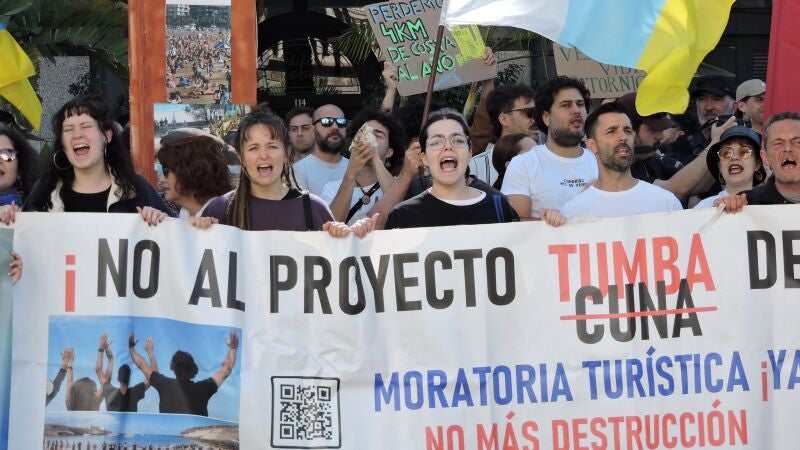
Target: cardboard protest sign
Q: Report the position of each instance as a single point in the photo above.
(406, 33)
(602, 80)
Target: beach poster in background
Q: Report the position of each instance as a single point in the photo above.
(602, 80)
(406, 34)
(6, 242)
(199, 51)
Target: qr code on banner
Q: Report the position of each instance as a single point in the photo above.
(305, 412)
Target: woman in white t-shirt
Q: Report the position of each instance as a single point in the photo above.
(736, 162)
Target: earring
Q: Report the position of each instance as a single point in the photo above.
(55, 162)
(759, 176)
(387, 163)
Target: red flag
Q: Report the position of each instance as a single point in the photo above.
(784, 59)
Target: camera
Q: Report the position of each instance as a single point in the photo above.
(740, 121)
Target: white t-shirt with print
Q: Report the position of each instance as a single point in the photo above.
(548, 179)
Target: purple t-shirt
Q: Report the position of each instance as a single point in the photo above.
(286, 214)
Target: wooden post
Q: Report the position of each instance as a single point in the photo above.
(432, 79)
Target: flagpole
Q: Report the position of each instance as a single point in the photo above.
(432, 79)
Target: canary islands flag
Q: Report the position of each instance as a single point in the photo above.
(14, 84)
(666, 38)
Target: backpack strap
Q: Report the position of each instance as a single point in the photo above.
(307, 211)
(367, 195)
(498, 208)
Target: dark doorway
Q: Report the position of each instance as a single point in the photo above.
(299, 66)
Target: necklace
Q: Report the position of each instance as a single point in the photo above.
(366, 194)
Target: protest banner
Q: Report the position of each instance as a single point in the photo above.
(657, 331)
(406, 33)
(602, 80)
(6, 235)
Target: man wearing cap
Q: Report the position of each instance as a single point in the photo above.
(750, 103)
(616, 192)
(736, 162)
(713, 96)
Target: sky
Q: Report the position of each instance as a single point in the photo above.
(206, 344)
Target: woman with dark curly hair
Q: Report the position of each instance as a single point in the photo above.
(195, 171)
(92, 170)
(19, 166)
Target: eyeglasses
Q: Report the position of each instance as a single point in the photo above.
(729, 151)
(8, 154)
(327, 122)
(438, 141)
(528, 111)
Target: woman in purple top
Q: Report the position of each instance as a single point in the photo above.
(268, 197)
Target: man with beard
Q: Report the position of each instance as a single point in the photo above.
(616, 193)
(551, 174)
(301, 132)
(325, 163)
(713, 96)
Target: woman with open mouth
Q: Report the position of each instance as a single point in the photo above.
(268, 196)
(92, 169)
(445, 147)
(736, 162)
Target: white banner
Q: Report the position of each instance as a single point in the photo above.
(659, 331)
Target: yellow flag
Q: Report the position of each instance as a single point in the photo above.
(14, 84)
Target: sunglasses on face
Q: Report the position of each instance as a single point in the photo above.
(327, 122)
(729, 151)
(528, 111)
(8, 154)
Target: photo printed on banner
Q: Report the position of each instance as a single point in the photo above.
(199, 51)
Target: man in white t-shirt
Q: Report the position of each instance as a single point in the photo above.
(550, 175)
(510, 110)
(616, 192)
(325, 163)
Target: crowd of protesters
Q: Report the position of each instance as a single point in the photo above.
(527, 155)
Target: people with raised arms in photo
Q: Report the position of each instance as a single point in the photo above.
(82, 394)
(446, 153)
(182, 395)
(123, 398)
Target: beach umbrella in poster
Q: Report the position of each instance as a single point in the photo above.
(222, 46)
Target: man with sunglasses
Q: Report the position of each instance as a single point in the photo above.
(325, 163)
(510, 110)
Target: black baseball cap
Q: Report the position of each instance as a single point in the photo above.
(715, 84)
(712, 158)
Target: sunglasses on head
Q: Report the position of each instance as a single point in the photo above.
(8, 154)
(326, 122)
